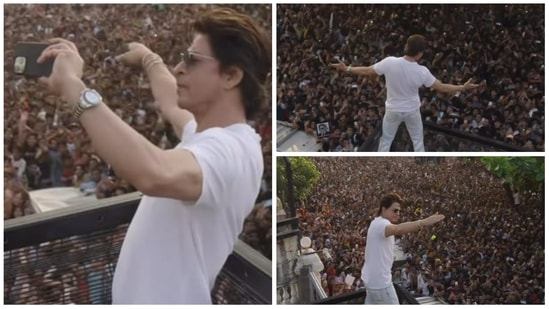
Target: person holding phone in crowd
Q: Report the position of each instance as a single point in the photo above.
(192, 209)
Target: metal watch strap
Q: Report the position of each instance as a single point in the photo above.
(77, 111)
(81, 107)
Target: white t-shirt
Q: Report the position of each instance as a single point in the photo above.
(403, 78)
(20, 165)
(309, 258)
(379, 256)
(174, 250)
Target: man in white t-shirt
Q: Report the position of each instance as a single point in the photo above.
(404, 76)
(18, 163)
(198, 194)
(380, 246)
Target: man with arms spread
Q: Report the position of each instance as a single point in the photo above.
(404, 76)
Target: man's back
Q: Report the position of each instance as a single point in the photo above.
(403, 79)
(174, 250)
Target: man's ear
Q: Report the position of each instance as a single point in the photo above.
(233, 77)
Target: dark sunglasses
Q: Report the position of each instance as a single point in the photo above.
(190, 58)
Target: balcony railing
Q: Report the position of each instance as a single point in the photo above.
(286, 293)
(439, 138)
(69, 256)
(358, 297)
(317, 293)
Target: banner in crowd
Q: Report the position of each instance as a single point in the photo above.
(322, 129)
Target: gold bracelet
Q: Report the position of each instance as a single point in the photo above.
(152, 64)
(148, 58)
(151, 59)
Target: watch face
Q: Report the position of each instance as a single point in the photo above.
(92, 97)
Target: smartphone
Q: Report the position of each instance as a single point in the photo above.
(26, 54)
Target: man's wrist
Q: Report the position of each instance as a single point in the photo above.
(72, 90)
(151, 60)
(147, 57)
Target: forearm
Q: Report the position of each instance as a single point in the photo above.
(130, 154)
(164, 89)
(448, 88)
(163, 84)
(361, 70)
(408, 227)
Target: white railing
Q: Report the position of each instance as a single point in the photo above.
(287, 293)
(317, 292)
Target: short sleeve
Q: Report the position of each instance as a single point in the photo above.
(189, 129)
(218, 162)
(381, 228)
(429, 79)
(381, 67)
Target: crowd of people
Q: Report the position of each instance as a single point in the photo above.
(44, 147)
(74, 270)
(487, 250)
(499, 46)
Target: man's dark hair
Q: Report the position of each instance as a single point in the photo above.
(388, 200)
(416, 44)
(237, 40)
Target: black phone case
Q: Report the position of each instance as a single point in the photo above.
(24, 60)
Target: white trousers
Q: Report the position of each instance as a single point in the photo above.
(385, 296)
(392, 120)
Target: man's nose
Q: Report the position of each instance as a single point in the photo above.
(179, 69)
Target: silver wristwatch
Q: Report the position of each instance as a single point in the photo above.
(88, 98)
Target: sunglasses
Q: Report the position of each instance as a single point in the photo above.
(190, 58)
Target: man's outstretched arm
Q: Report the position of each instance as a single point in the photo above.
(442, 87)
(412, 226)
(369, 70)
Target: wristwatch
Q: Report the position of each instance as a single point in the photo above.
(88, 98)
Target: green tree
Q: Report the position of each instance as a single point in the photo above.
(305, 176)
(525, 174)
